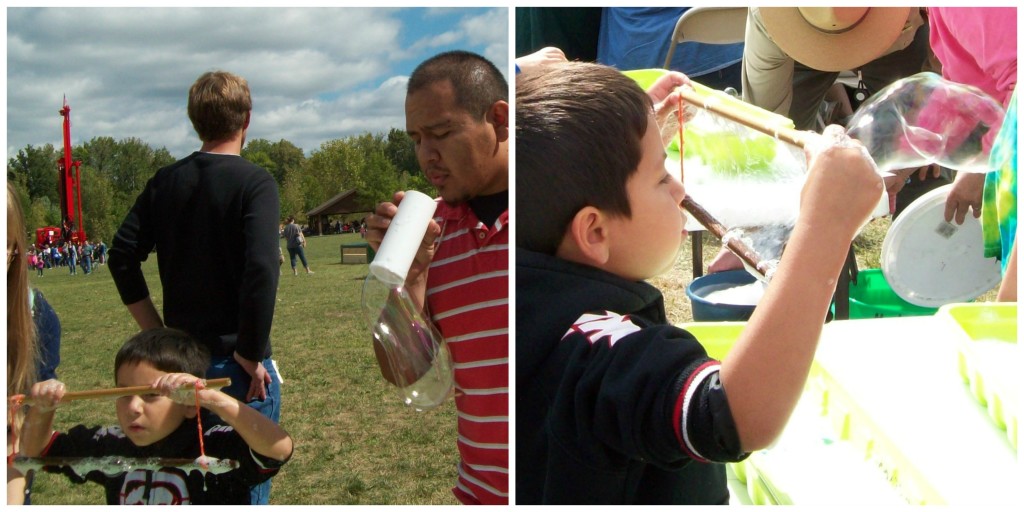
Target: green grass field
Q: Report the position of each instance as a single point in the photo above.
(355, 443)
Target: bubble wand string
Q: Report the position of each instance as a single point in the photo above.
(679, 114)
(199, 426)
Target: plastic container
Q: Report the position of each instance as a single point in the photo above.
(930, 262)
(988, 359)
(823, 456)
(871, 297)
(707, 309)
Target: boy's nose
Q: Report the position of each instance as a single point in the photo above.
(678, 191)
(135, 404)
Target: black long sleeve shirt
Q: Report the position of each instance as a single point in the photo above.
(213, 221)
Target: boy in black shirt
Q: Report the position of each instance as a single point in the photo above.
(613, 404)
(162, 424)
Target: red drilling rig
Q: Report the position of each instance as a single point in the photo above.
(69, 182)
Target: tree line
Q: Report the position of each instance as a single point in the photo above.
(113, 173)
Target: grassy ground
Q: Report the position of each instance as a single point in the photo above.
(355, 443)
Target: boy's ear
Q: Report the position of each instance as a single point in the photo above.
(190, 411)
(588, 232)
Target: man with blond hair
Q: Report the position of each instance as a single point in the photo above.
(212, 218)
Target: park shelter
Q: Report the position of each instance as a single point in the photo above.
(344, 203)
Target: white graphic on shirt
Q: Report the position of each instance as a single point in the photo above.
(112, 431)
(610, 326)
(166, 488)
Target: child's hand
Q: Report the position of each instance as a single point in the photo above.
(180, 387)
(843, 185)
(540, 58)
(665, 98)
(47, 394)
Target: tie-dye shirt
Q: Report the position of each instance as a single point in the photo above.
(999, 200)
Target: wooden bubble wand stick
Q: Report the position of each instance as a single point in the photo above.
(735, 114)
(116, 392)
(734, 244)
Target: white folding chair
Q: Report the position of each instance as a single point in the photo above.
(711, 25)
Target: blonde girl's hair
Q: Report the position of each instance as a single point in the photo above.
(22, 349)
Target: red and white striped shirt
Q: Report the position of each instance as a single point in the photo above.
(467, 295)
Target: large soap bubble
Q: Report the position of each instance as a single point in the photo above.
(925, 119)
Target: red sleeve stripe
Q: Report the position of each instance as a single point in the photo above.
(472, 307)
(465, 476)
(468, 254)
(679, 417)
(491, 391)
(477, 335)
(480, 364)
(493, 469)
(49, 444)
(472, 279)
(483, 446)
(483, 419)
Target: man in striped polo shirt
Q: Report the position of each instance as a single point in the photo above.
(457, 113)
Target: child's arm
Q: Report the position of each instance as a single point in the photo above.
(261, 434)
(765, 372)
(15, 480)
(37, 429)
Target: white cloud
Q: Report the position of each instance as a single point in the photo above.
(315, 73)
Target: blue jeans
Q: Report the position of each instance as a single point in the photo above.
(292, 251)
(271, 407)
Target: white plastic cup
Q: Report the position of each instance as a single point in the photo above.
(403, 238)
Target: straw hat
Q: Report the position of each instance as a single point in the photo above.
(834, 38)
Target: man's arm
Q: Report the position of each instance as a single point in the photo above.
(1008, 287)
(131, 246)
(258, 292)
(145, 314)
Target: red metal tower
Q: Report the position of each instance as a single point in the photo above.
(70, 183)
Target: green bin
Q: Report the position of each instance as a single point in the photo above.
(871, 297)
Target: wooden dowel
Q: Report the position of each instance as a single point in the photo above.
(126, 391)
(734, 244)
(716, 105)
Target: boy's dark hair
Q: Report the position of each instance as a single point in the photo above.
(477, 82)
(218, 102)
(168, 350)
(579, 128)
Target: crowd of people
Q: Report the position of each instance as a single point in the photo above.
(67, 255)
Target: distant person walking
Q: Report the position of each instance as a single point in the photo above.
(72, 258)
(87, 258)
(296, 244)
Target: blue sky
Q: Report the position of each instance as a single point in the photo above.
(316, 73)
